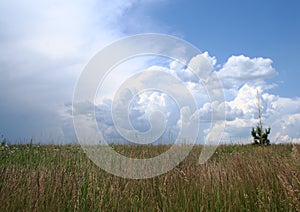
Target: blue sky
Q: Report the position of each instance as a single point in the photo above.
(45, 45)
(253, 28)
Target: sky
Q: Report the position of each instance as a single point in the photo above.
(45, 46)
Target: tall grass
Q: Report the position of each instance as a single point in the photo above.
(236, 178)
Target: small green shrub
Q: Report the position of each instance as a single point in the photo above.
(3, 141)
(260, 137)
(259, 134)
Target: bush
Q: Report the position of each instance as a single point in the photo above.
(259, 134)
(3, 141)
(260, 137)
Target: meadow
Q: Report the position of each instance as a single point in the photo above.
(236, 178)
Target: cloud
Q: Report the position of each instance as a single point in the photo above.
(44, 46)
(240, 69)
(281, 114)
(284, 118)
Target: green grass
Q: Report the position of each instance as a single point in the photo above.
(236, 178)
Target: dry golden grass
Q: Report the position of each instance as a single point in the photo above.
(236, 178)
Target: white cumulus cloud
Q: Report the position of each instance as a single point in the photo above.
(240, 69)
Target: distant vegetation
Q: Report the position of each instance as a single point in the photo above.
(259, 134)
(236, 178)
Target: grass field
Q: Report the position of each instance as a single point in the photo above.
(236, 178)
